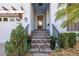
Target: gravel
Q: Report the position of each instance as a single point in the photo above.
(2, 51)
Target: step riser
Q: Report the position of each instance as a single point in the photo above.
(40, 38)
(40, 42)
(40, 34)
(42, 47)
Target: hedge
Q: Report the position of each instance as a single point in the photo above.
(67, 40)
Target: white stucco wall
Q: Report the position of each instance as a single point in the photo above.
(5, 30)
(27, 14)
(6, 27)
(53, 10)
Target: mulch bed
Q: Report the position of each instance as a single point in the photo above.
(66, 52)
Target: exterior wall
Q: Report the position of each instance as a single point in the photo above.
(5, 30)
(32, 20)
(57, 24)
(6, 27)
(29, 17)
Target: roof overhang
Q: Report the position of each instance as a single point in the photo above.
(11, 14)
(12, 11)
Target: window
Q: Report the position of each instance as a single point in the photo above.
(11, 19)
(40, 4)
(0, 19)
(5, 19)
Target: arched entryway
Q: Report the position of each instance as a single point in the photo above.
(39, 16)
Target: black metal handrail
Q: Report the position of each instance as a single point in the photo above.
(56, 34)
(55, 31)
(26, 29)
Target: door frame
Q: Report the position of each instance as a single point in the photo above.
(37, 20)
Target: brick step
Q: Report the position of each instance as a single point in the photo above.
(40, 41)
(41, 50)
(40, 31)
(40, 34)
(40, 44)
(35, 46)
(37, 43)
(40, 54)
(40, 37)
(35, 34)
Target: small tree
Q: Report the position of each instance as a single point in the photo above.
(17, 45)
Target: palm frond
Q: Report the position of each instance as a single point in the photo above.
(72, 13)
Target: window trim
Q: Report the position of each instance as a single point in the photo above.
(1, 19)
(6, 18)
(11, 18)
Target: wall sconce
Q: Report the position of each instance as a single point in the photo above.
(48, 24)
(25, 19)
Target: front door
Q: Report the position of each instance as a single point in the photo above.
(40, 22)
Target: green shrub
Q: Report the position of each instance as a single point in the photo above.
(29, 41)
(78, 35)
(52, 41)
(67, 40)
(18, 42)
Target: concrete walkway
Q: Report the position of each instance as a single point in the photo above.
(2, 49)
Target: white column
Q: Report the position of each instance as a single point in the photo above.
(47, 19)
(50, 14)
(32, 20)
(29, 19)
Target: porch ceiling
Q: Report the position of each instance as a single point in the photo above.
(40, 8)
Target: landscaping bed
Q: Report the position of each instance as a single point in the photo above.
(66, 52)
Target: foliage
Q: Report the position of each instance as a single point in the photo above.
(52, 41)
(71, 12)
(18, 42)
(67, 40)
(29, 41)
(78, 35)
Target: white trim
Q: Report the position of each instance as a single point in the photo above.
(43, 21)
(11, 11)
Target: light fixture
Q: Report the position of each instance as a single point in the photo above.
(40, 23)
